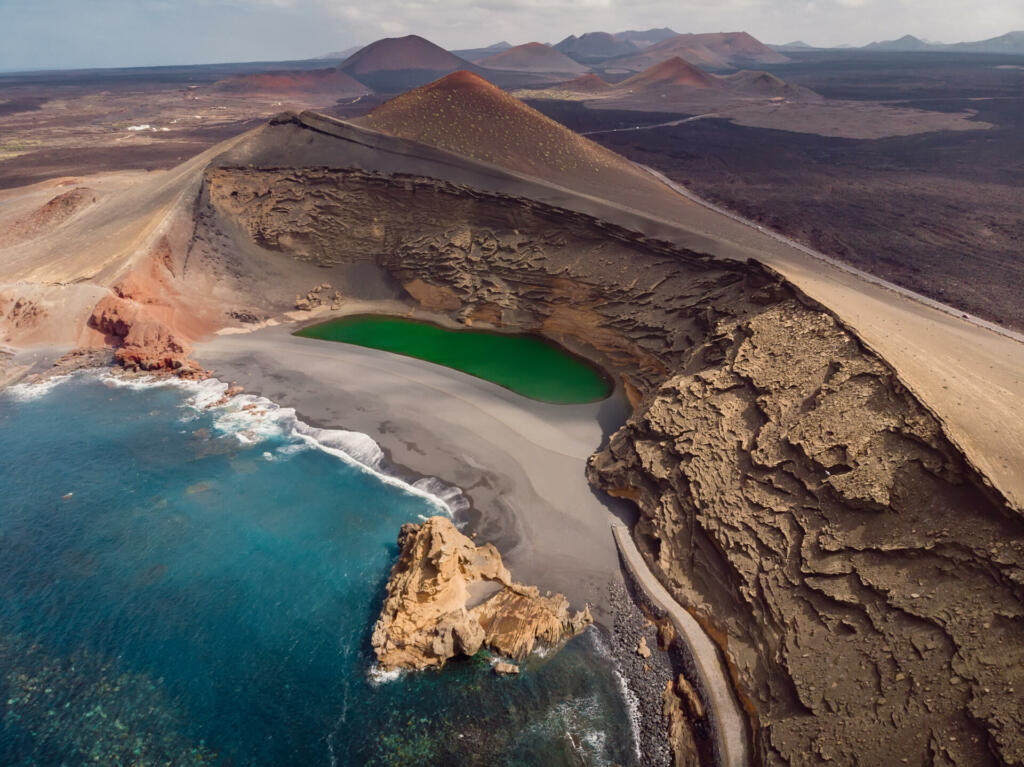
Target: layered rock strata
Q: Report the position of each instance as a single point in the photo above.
(864, 582)
(448, 597)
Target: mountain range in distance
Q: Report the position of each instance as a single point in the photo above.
(392, 65)
(1011, 42)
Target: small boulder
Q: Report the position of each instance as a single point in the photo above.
(642, 649)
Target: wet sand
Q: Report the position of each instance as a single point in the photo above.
(520, 462)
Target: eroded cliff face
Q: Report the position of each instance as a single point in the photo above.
(866, 586)
(869, 593)
(502, 260)
(448, 597)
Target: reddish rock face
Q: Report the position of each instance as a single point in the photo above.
(143, 342)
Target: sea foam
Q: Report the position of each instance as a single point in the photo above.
(26, 392)
(252, 419)
(632, 702)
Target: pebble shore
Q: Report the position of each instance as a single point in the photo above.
(646, 678)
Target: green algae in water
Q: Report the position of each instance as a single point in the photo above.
(526, 364)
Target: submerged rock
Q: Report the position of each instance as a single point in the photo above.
(448, 597)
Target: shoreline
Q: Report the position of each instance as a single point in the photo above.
(520, 463)
(619, 617)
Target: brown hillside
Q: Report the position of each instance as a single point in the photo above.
(330, 81)
(752, 83)
(672, 73)
(717, 50)
(532, 57)
(681, 46)
(465, 114)
(401, 53)
(739, 46)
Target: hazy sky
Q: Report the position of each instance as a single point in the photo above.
(99, 33)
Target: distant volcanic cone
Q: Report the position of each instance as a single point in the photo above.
(397, 63)
(675, 72)
(532, 57)
(465, 114)
(740, 47)
(717, 50)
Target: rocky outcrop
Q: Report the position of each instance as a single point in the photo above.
(865, 584)
(143, 343)
(680, 734)
(49, 216)
(448, 597)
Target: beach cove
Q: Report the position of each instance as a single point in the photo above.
(204, 590)
(520, 462)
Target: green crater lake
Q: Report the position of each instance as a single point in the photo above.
(526, 364)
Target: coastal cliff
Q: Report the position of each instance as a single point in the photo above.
(448, 597)
(862, 580)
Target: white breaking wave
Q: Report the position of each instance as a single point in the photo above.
(252, 419)
(574, 720)
(451, 495)
(377, 675)
(26, 392)
(632, 702)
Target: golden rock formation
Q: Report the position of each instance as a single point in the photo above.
(449, 597)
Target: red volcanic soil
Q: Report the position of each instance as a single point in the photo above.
(465, 114)
(401, 53)
(585, 84)
(532, 57)
(330, 81)
(671, 73)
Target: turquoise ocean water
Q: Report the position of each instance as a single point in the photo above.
(182, 585)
